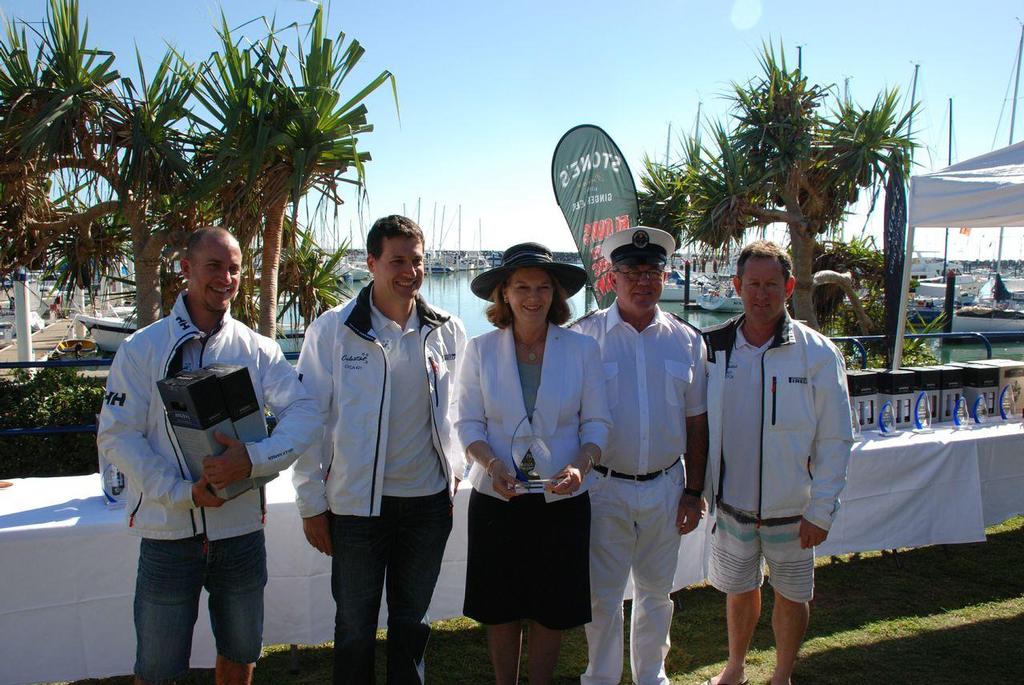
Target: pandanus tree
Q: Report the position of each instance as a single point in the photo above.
(791, 152)
(68, 120)
(279, 125)
(85, 152)
(53, 104)
(308, 275)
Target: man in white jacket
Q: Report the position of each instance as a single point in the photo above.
(654, 374)
(779, 443)
(190, 537)
(375, 491)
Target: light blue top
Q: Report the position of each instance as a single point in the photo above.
(529, 380)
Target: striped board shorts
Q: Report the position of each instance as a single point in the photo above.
(737, 550)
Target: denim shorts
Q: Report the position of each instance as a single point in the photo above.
(171, 575)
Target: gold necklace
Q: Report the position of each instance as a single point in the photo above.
(531, 350)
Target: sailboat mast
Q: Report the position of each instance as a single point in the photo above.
(1016, 84)
(668, 141)
(913, 99)
(1013, 120)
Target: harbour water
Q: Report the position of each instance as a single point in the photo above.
(451, 292)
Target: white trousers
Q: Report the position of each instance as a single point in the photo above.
(632, 530)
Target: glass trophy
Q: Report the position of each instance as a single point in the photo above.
(922, 412)
(528, 479)
(113, 485)
(887, 419)
(979, 410)
(961, 415)
(1007, 401)
(526, 469)
(855, 419)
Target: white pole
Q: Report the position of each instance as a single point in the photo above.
(22, 327)
(80, 306)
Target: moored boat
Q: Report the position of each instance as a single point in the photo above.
(981, 319)
(108, 331)
(76, 348)
(715, 300)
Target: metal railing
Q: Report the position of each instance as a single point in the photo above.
(985, 339)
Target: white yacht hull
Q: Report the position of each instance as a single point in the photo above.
(717, 303)
(987, 324)
(672, 293)
(107, 331)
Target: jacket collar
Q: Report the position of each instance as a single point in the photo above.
(360, 320)
(722, 338)
(182, 321)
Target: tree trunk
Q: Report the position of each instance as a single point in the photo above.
(845, 281)
(268, 269)
(802, 244)
(147, 265)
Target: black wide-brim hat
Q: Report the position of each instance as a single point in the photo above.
(525, 256)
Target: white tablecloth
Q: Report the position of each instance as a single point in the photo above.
(67, 563)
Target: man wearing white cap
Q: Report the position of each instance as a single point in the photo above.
(655, 377)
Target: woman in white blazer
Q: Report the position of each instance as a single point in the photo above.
(533, 417)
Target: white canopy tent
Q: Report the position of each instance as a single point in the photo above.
(982, 192)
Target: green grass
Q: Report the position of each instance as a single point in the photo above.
(932, 615)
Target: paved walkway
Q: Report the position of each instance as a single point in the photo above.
(43, 343)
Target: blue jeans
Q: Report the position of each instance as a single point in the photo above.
(405, 545)
(171, 575)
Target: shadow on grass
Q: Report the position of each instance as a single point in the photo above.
(984, 651)
(852, 592)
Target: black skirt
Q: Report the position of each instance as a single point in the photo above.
(528, 559)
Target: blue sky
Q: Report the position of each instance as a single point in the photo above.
(486, 89)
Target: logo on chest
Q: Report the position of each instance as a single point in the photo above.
(354, 361)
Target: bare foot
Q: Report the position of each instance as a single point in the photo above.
(728, 677)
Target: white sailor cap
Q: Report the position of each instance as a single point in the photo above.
(638, 245)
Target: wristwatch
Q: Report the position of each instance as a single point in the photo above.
(693, 492)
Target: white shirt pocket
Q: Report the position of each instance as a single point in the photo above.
(678, 376)
(611, 383)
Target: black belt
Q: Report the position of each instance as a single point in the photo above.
(743, 517)
(605, 471)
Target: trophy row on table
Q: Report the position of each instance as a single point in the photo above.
(964, 394)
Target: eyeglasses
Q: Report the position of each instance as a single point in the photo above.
(637, 276)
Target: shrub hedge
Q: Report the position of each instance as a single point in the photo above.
(50, 397)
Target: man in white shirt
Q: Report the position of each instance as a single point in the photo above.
(654, 371)
(376, 492)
